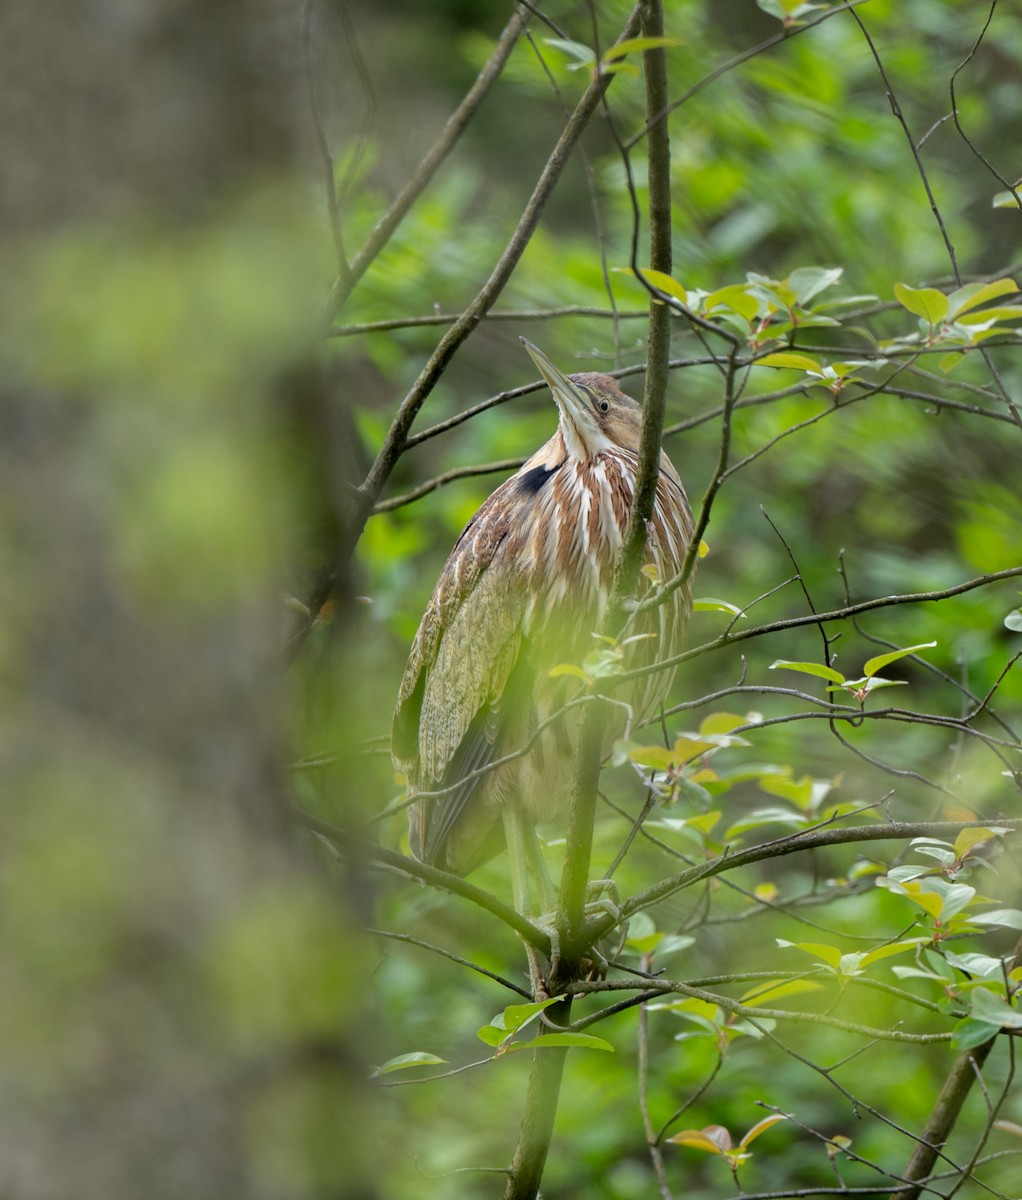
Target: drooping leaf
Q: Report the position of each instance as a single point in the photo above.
(417, 1058)
(809, 668)
(711, 604)
(551, 1041)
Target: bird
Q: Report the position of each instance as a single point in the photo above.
(524, 591)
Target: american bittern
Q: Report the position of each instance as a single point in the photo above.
(524, 590)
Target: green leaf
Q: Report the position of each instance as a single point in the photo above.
(659, 280)
(760, 1127)
(1009, 918)
(619, 68)
(879, 661)
(568, 669)
(809, 668)
(674, 943)
(711, 604)
(767, 993)
(1013, 620)
(831, 955)
(516, 1015)
(660, 758)
(976, 836)
(974, 294)
(970, 1033)
(1008, 312)
(928, 303)
(1005, 199)
(865, 686)
(643, 936)
(508, 1022)
(714, 1138)
(577, 50)
(788, 11)
(986, 1006)
(764, 816)
(721, 722)
(735, 297)
(417, 1058)
(801, 792)
(788, 359)
(984, 966)
(807, 282)
(550, 1041)
(955, 896)
(630, 45)
(872, 956)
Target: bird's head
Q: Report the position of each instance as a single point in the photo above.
(594, 414)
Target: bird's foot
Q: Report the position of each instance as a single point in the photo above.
(602, 902)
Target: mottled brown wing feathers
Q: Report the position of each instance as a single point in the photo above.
(446, 720)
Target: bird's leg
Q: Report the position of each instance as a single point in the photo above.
(602, 895)
(547, 893)
(516, 834)
(518, 855)
(604, 899)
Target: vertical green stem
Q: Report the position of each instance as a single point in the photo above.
(538, 1120)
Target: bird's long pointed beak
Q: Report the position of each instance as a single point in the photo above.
(571, 401)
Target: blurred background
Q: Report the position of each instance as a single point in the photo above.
(188, 1000)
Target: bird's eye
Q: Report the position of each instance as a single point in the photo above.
(604, 406)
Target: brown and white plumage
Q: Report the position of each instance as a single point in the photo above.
(524, 589)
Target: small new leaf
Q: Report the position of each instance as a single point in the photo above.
(760, 1127)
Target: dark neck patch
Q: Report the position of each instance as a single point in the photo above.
(532, 481)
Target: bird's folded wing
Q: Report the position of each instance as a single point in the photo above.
(449, 712)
